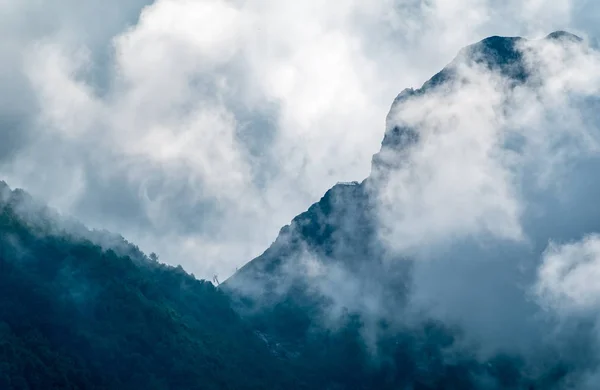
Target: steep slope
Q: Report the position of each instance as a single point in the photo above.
(340, 225)
(74, 315)
(331, 275)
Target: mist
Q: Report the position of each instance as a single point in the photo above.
(198, 128)
(480, 214)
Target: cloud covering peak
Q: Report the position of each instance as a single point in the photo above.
(479, 214)
(198, 128)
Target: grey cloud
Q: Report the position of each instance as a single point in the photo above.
(201, 128)
(289, 98)
(467, 272)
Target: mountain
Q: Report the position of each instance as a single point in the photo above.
(330, 272)
(341, 225)
(76, 315)
(364, 290)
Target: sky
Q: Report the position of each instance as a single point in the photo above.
(198, 128)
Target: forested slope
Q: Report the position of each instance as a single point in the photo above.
(74, 315)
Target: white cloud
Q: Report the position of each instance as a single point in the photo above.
(498, 170)
(456, 181)
(568, 276)
(463, 178)
(201, 128)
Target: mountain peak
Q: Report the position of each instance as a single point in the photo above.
(502, 55)
(564, 35)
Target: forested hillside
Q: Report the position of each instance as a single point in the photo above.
(74, 315)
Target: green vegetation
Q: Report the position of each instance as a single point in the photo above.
(76, 316)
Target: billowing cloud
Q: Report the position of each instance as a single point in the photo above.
(567, 277)
(198, 128)
(500, 166)
(482, 139)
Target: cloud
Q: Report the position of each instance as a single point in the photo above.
(567, 275)
(479, 137)
(454, 181)
(199, 128)
(498, 168)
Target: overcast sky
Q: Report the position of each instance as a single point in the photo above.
(198, 128)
